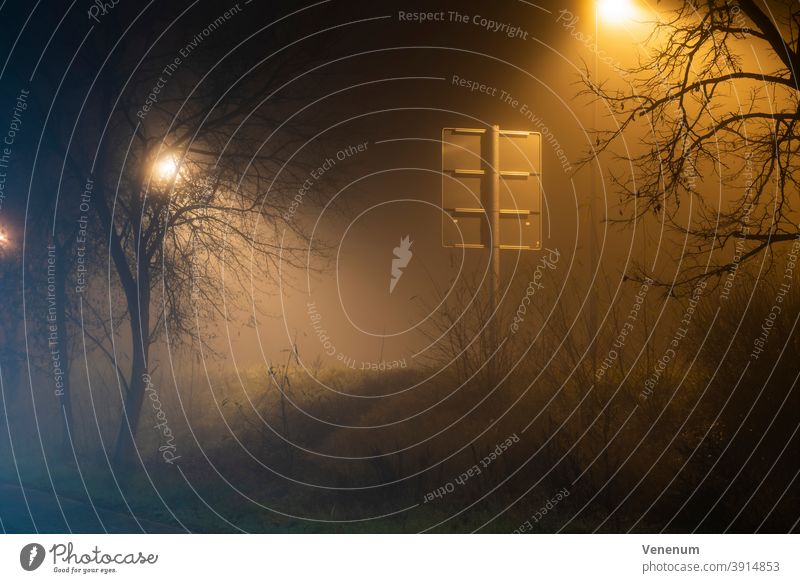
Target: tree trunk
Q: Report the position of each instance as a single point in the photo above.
(139, 308)
(137, 297)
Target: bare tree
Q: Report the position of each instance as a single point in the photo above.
(716, 87)
(194, 174)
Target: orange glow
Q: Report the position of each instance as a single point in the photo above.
(616, 11)
(166, 168)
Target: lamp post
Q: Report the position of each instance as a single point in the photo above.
(614, 13)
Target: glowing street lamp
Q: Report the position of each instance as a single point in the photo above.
(166, 168)
(6, 247)
(616, 11)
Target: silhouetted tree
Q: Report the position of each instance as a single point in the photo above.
(715, 93)
(193, 155)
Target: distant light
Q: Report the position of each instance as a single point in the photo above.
(616, 11)
(3, 238)
(166, 168)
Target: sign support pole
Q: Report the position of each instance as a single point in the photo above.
(493, 211)
(471, 181)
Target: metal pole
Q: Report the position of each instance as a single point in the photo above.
(494, 216)
(592, 219)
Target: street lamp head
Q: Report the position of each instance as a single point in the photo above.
(5, 243)
(616, 11)
(166, 168)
